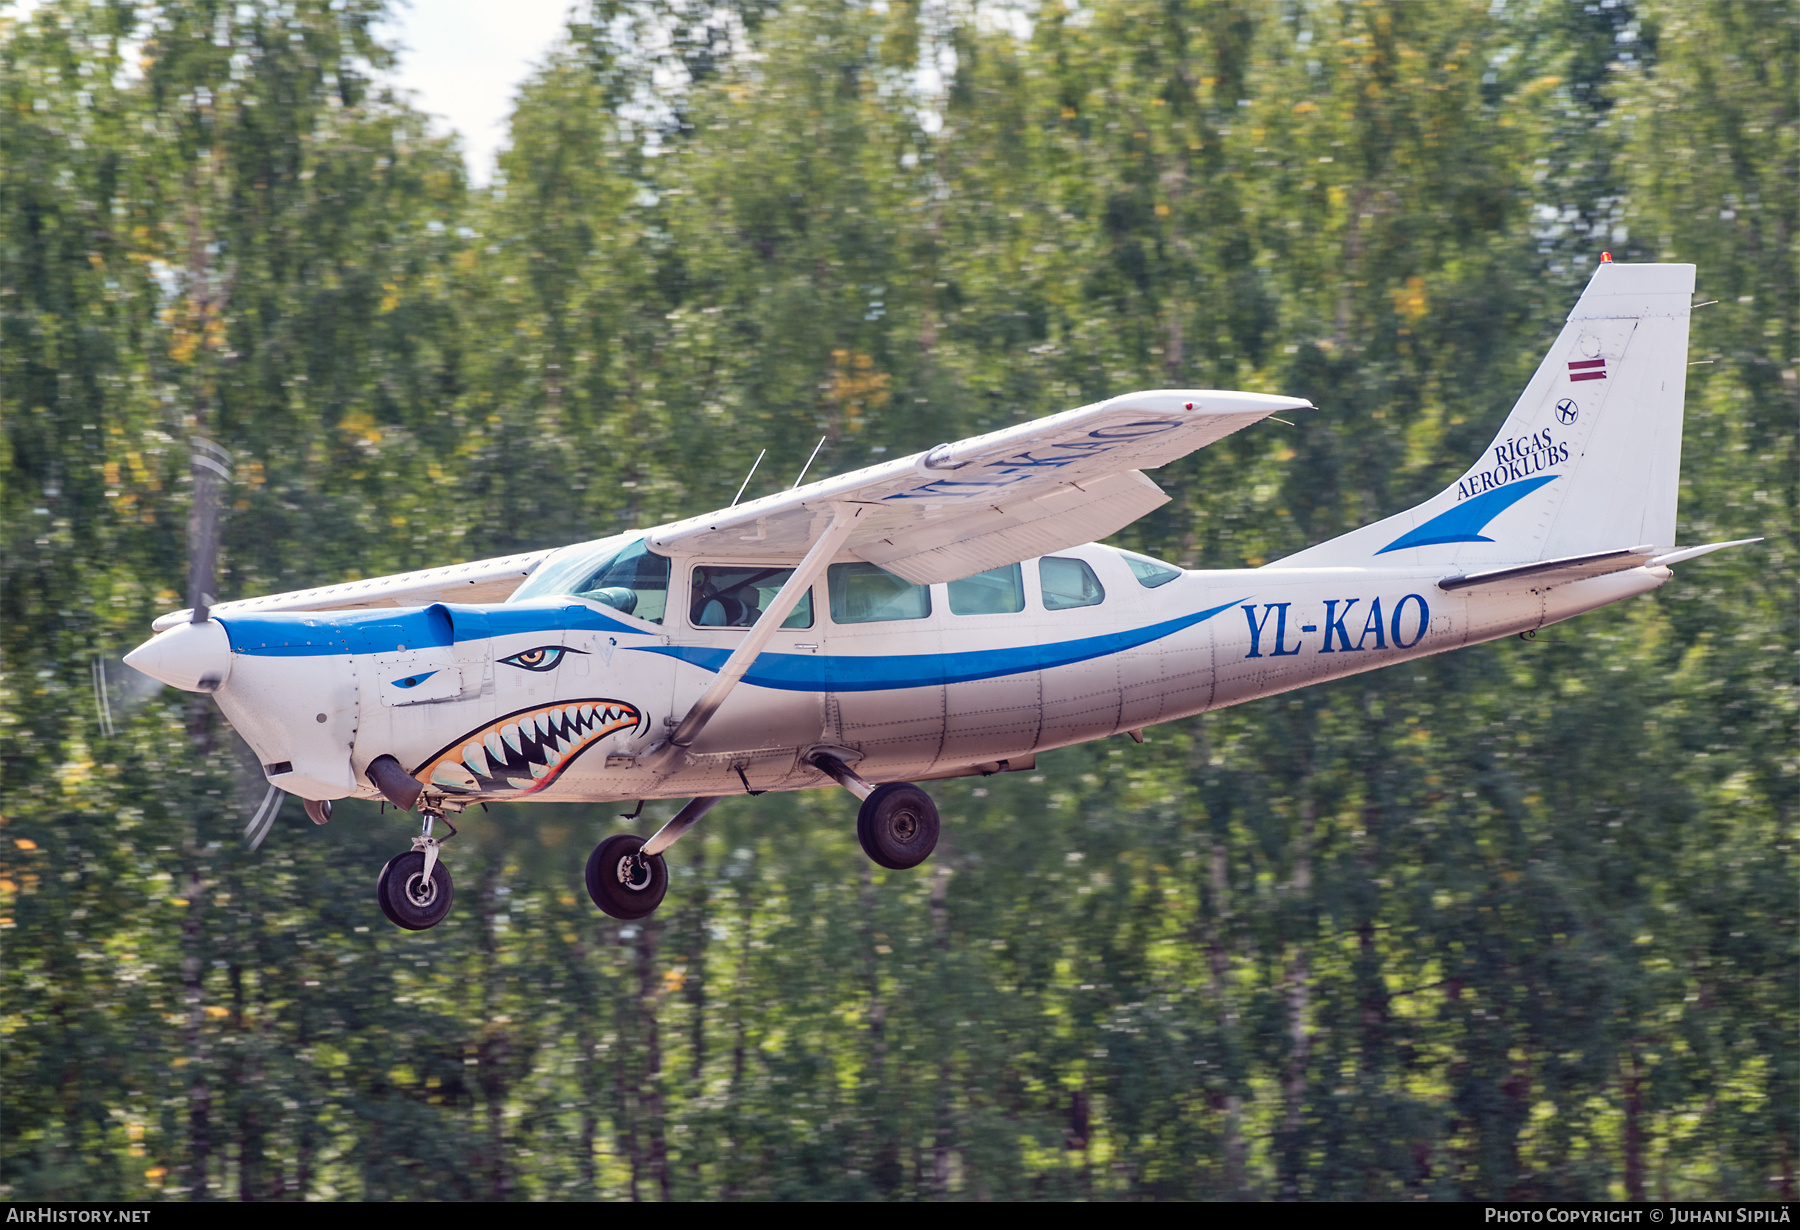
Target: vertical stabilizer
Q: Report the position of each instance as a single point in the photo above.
(1588, 460)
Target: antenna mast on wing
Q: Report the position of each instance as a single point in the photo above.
(809, 461)
(748, 477)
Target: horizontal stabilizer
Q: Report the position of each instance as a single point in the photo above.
(1581, 567)
(1685, 553)
(1557, 571)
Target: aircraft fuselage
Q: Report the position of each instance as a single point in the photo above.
(565, 699)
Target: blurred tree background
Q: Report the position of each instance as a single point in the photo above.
(1519, 921)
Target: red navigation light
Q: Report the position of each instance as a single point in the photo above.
(1606, 258)
(1189, 406)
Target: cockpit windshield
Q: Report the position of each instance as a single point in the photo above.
(621, 572)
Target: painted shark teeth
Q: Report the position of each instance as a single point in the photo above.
(526, 751)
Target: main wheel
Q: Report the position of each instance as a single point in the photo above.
(898, 826)
(381, 882)
(622, 882)
(408, 898)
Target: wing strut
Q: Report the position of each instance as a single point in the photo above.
(828, 544)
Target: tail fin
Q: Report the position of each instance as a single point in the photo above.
(1589, 459)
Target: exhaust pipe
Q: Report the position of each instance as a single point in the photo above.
(397, 786)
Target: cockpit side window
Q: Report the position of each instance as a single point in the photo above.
(629, 578)
(735, 596)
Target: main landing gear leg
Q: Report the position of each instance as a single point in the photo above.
(898, 823)
(414, 889)
(626, 875)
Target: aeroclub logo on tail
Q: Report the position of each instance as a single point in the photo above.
(1465, 522)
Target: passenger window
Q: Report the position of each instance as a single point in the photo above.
(864, 594)
(1150, 572)
(735, 596)
(999, 591)
(1068, 583)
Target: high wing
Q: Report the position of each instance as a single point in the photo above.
(950, 512)
(993, 499)
(486, 580)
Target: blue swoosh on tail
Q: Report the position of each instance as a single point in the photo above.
(1465, 522)
(804, 672)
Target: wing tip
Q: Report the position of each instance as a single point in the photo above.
(1212, 401)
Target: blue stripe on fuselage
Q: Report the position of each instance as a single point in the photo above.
(799, 672)
(309, 634)
(385, 630)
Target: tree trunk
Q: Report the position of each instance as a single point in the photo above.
(650, 1089)
(881, 1144)
(495, 1050)
(245, 1082)
(587, 1011)
(1219, 968)
(945, 1134)
(1634, 1123)
(1299, 1005)
(199, 1093)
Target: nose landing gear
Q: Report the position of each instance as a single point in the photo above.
(414, 889)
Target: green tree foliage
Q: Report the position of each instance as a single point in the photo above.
(1513, 922)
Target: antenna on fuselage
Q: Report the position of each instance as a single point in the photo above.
(809, 461)
(748, 477)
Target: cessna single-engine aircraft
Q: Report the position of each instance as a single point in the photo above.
(937, 616)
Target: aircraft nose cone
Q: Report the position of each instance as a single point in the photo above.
(190, 656)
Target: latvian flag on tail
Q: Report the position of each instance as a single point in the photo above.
(1588, 369)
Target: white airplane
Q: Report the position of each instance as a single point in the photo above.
(941, 615)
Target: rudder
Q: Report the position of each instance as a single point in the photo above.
(1588, 460)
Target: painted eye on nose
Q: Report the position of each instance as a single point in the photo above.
(543, 658)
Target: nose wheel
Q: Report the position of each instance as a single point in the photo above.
(414, 889)
(624, 881)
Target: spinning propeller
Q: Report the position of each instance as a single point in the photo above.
(212, 473)
(211, 466)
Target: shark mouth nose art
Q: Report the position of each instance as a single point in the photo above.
(525, 751)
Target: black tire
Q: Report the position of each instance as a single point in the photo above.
(381, 890)
(623, 884)
(406, 899)
(898, 826)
